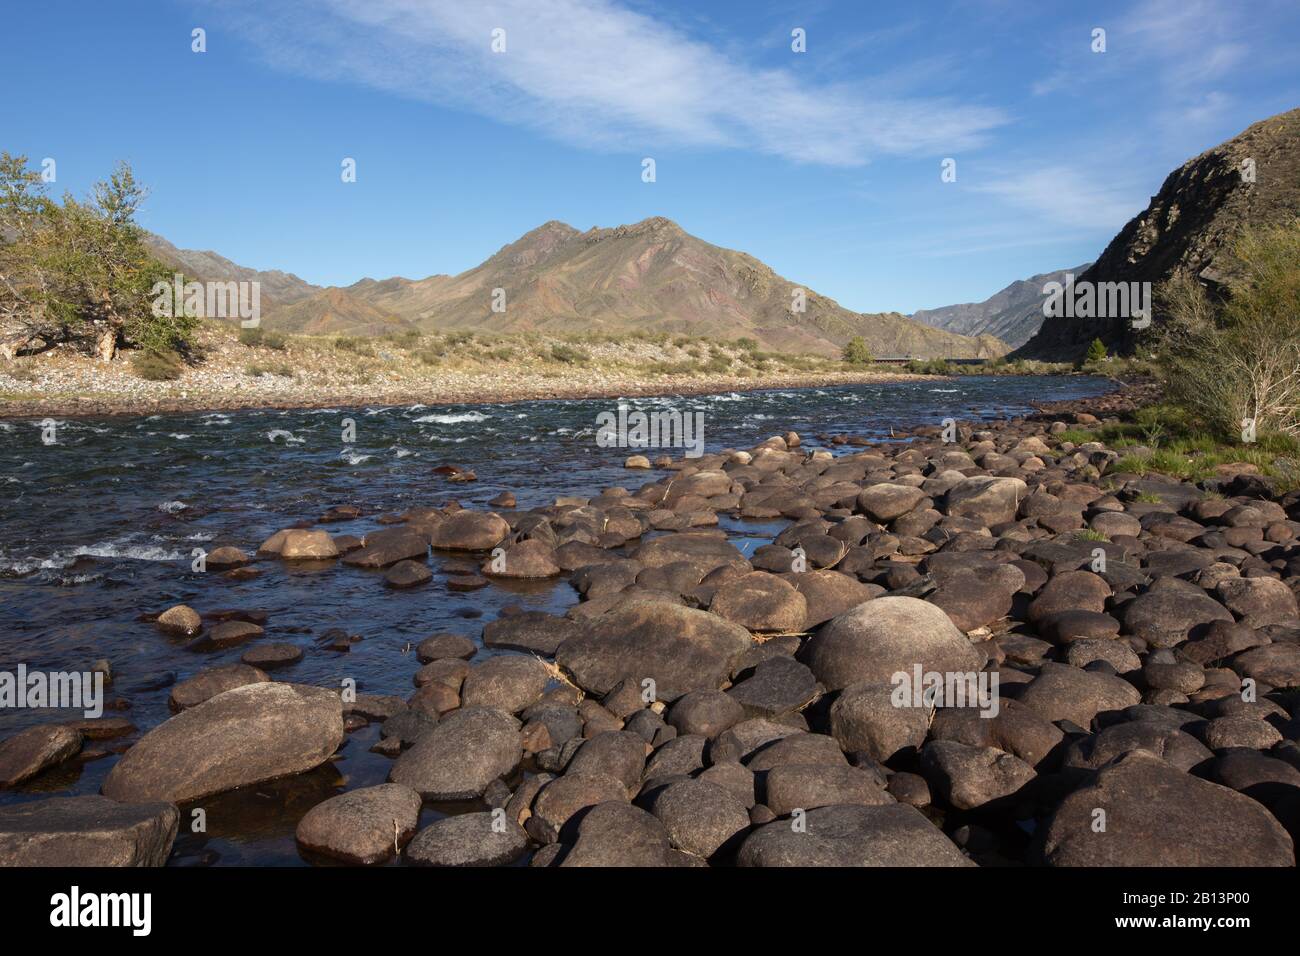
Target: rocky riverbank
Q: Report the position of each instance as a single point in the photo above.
(1097, 669)
(298, 372)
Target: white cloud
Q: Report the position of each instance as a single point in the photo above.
(595, 74)
(1066, 195)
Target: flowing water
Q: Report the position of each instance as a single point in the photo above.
(100, 526)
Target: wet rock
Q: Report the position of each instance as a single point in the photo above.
(445, 646)
(245, 736)
(469, 839)
(26, 753)
(527, 559)
(890, 835)
(882, 637)
(226, 634)
(87, 831)
(700, 817)
(508, 683)
(678, 648)
(470, 531)
(181, 621)
(299, 544)
(1157, 815)
(208, 683)
(363, 826)
(274, 654)
(407, 726)
(407, 574)
(864, 718)
(533, 631)
(380, 549)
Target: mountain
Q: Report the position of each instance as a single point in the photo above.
(1013, 314)
(1191, 223)
(648, 276)
(278, 288)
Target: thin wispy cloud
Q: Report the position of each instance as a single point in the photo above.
(598, 75)
(1066, 195)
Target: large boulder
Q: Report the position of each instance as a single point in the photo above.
(1157, 815)
(508, 683)
(885, 502)
(989, 499)
(387, 547)
(1166, 618)
(461, 755)
(533, 558)
(679, 648)
(760, 602)
(208, 683)
(968, 777)
(619, 834)
(1062, 692)
(829, 594)
(700, 817)
(887, 835)
(245, 736)
(707, 551)
(470, 531)
(889, 635)
(864, 718)
(533, 631)
(87, 831)
(361, 826)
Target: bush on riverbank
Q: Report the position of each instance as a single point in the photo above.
(1234, 364)
(79, 272)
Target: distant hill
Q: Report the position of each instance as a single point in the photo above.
(1191, 223)
(648, 276)
(1012, 315)
(278, 288)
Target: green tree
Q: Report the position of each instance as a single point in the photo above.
(1096, 352)
(80, 271)
(856, 352)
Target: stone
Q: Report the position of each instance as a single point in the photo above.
(363, 826)
(829, 594)
(468, 839)
(300, 544)
(1171, 744)
(407, 574)
(28, 752)
(888, 835)
(760, 602)
(991, 500)
(968, 777)
(534, 632)
(243, 737)
(559, 800)
(779, 685)
(509, 683)
(470, 531)
(679, 648)
(272, 655)
(180, 620)
(806, 787)
(1167, 618)
(444, 646)
(705, 712)
(208, 683)
(889, 635)
(87, 831)
(617, 753)
(619, 834)
(1061, 692)
(1157, 815)
(459, 757)
(864, 718)
(700, 817)
(884, 502)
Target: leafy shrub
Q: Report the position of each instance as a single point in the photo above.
(157, 366)
(856, 352)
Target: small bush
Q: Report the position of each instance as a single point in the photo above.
(155, 366)
(856, 352)
(569, 355)
(263, 338)
(357, 346)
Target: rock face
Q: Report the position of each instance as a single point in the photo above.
(1157, 815)
(1190, 224)
(30, 751)
(680, 649)
(245, 736)
(889, 635)
(87, 831)
(361, 826)
(890, 835)
(459, 757)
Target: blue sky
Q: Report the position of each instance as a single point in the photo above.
(825, 164)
